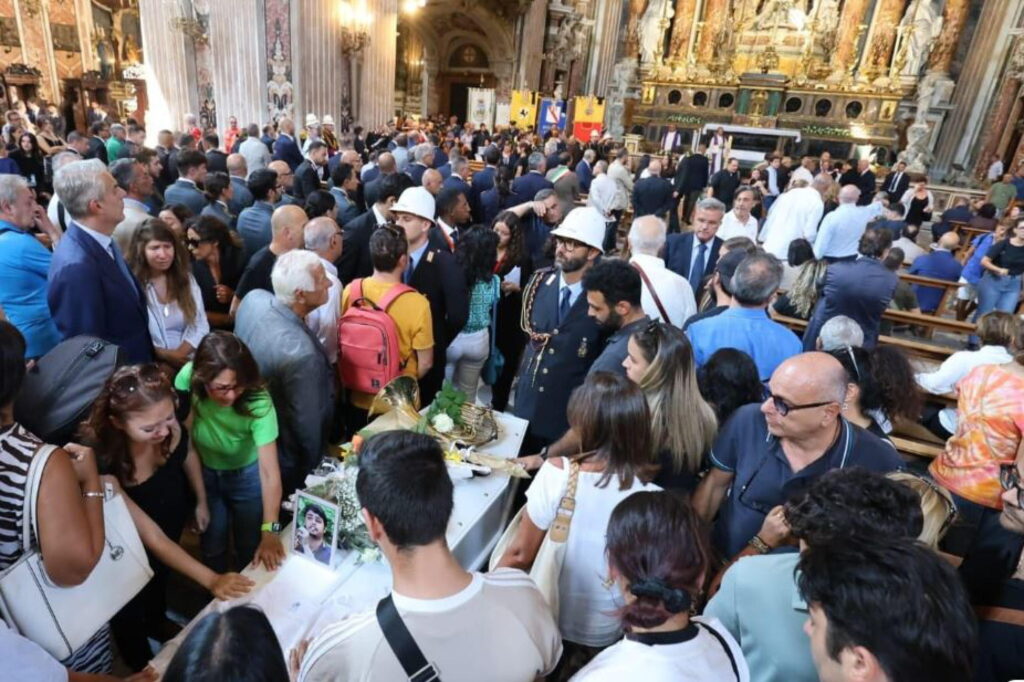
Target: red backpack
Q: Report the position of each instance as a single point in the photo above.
(368, 351)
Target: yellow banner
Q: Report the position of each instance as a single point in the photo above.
(588, 115)
(524, 108)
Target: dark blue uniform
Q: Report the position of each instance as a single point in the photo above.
(555, 360)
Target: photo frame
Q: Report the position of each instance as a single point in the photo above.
(313, 516)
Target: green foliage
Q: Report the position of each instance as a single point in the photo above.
(448, 401)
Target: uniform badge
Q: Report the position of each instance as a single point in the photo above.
(582, 351)
(550, 279)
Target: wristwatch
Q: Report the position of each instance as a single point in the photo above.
(269, 527)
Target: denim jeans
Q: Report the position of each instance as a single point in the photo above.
(996, 293)
(235, 498)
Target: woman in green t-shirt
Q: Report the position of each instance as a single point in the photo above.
(234, 430)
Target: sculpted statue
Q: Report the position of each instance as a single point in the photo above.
(652, 29)
(921, 26)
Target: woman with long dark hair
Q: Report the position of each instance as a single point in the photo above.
(658, 557)
(609, 415)
(218, 261)
(660, 361)
(729, 380)
(475, 252)
(515, 267)
(234, 432)
(238, 644)
(29, 157)
(177, 320)
(137, 439)
(500, 197)
(881, 387)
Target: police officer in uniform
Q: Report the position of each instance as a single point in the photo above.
(563, 339)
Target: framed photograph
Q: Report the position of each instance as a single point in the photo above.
(315, 532)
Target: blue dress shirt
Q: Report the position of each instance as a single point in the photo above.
(749, 330)
(24, 264)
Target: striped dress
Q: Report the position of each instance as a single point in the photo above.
(17, 446)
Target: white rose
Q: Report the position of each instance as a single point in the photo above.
(442, 423)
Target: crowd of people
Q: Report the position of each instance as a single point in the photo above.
(740, 509)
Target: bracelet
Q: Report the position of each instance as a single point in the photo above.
(760, 545)
(93, 493)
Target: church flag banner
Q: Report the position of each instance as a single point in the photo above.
(481, 107)
(524, 109)
(587, 115)
(552, 115)
(502, 114)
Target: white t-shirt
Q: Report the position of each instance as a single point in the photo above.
(23, 659)
(701, 658)
(498, 629)
(586, 607)
(732, 227)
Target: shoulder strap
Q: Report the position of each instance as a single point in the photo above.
(654, 293)
(559, 531)
(29, 527)
(393, 293)
(725, 645)
(401, 641)
(357, 290)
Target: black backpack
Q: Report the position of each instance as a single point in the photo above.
(59, 391)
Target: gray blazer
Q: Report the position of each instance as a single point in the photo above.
(299, 379)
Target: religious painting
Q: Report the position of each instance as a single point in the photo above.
(65, 38)
(9, 32)
(468, 57)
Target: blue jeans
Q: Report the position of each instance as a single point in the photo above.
(996, 293)
(235, 498)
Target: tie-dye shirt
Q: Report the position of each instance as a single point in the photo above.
(988, 433)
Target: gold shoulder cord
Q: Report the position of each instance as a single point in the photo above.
(538, 340)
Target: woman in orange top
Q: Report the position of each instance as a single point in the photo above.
(990, 432)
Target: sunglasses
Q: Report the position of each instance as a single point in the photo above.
(784, 408)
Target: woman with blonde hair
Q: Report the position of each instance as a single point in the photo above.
(801, 298)
(937, 506)
(683, 425)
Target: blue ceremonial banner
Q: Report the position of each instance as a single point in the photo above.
(552, 115)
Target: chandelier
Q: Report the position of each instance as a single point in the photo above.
(355, 21)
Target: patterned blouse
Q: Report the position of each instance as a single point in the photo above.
(988, 433)
(481, 299)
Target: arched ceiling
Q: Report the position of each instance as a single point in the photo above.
(443, 25)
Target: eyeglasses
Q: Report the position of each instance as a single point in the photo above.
(570, 244)
(784, 408)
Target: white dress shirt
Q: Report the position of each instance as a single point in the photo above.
(674, 292)
(603, 194)
(794, 215)
(732, 226)
(323, 321)
(841, 230)
(801, 173)
(953, 369)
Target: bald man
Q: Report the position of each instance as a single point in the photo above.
(773, 450)
(941, 263)
(667, 296)
(432, 180)
(286, 225)
(841, 229)
(653, 194)
(285, 182)
(242, 198)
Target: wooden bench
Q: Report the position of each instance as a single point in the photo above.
(948, 288)
(916, 448)
(911, 347)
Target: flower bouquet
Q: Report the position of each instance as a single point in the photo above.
(339, 487)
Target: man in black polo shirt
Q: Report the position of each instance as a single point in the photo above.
(613, 299)
(768, 453)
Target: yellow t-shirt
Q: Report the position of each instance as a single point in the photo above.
(411, 313)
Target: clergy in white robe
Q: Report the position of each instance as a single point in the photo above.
(794, 215)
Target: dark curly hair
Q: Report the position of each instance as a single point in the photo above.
(885, 378)
(728, 381)
(516, 243)
(854, 505)
(477, 252)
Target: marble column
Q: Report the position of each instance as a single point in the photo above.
(853, 14)
(238, 42)
(954, 16)
(996, 124)
(318, 64)
(888, 14)
(606, 43)
(714, 19)
(531, 45)
(682, 29)
(977, 85)
(636, 10)
(374, 89)
(170, 79)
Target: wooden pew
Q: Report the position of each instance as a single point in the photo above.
(916, 448)
(914, 348)
(948, 288)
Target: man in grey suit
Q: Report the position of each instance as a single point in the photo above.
(292, 361)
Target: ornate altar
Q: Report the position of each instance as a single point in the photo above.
(835, 74)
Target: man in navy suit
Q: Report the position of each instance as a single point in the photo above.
(458, 178)
(185, 190)
(253, 223)
(653, 194)
(424, 159)
(692, 176)
(585, 170)
(527, 186)
(896, 182)
(696, 264)
(285, 147)
(91, 290)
